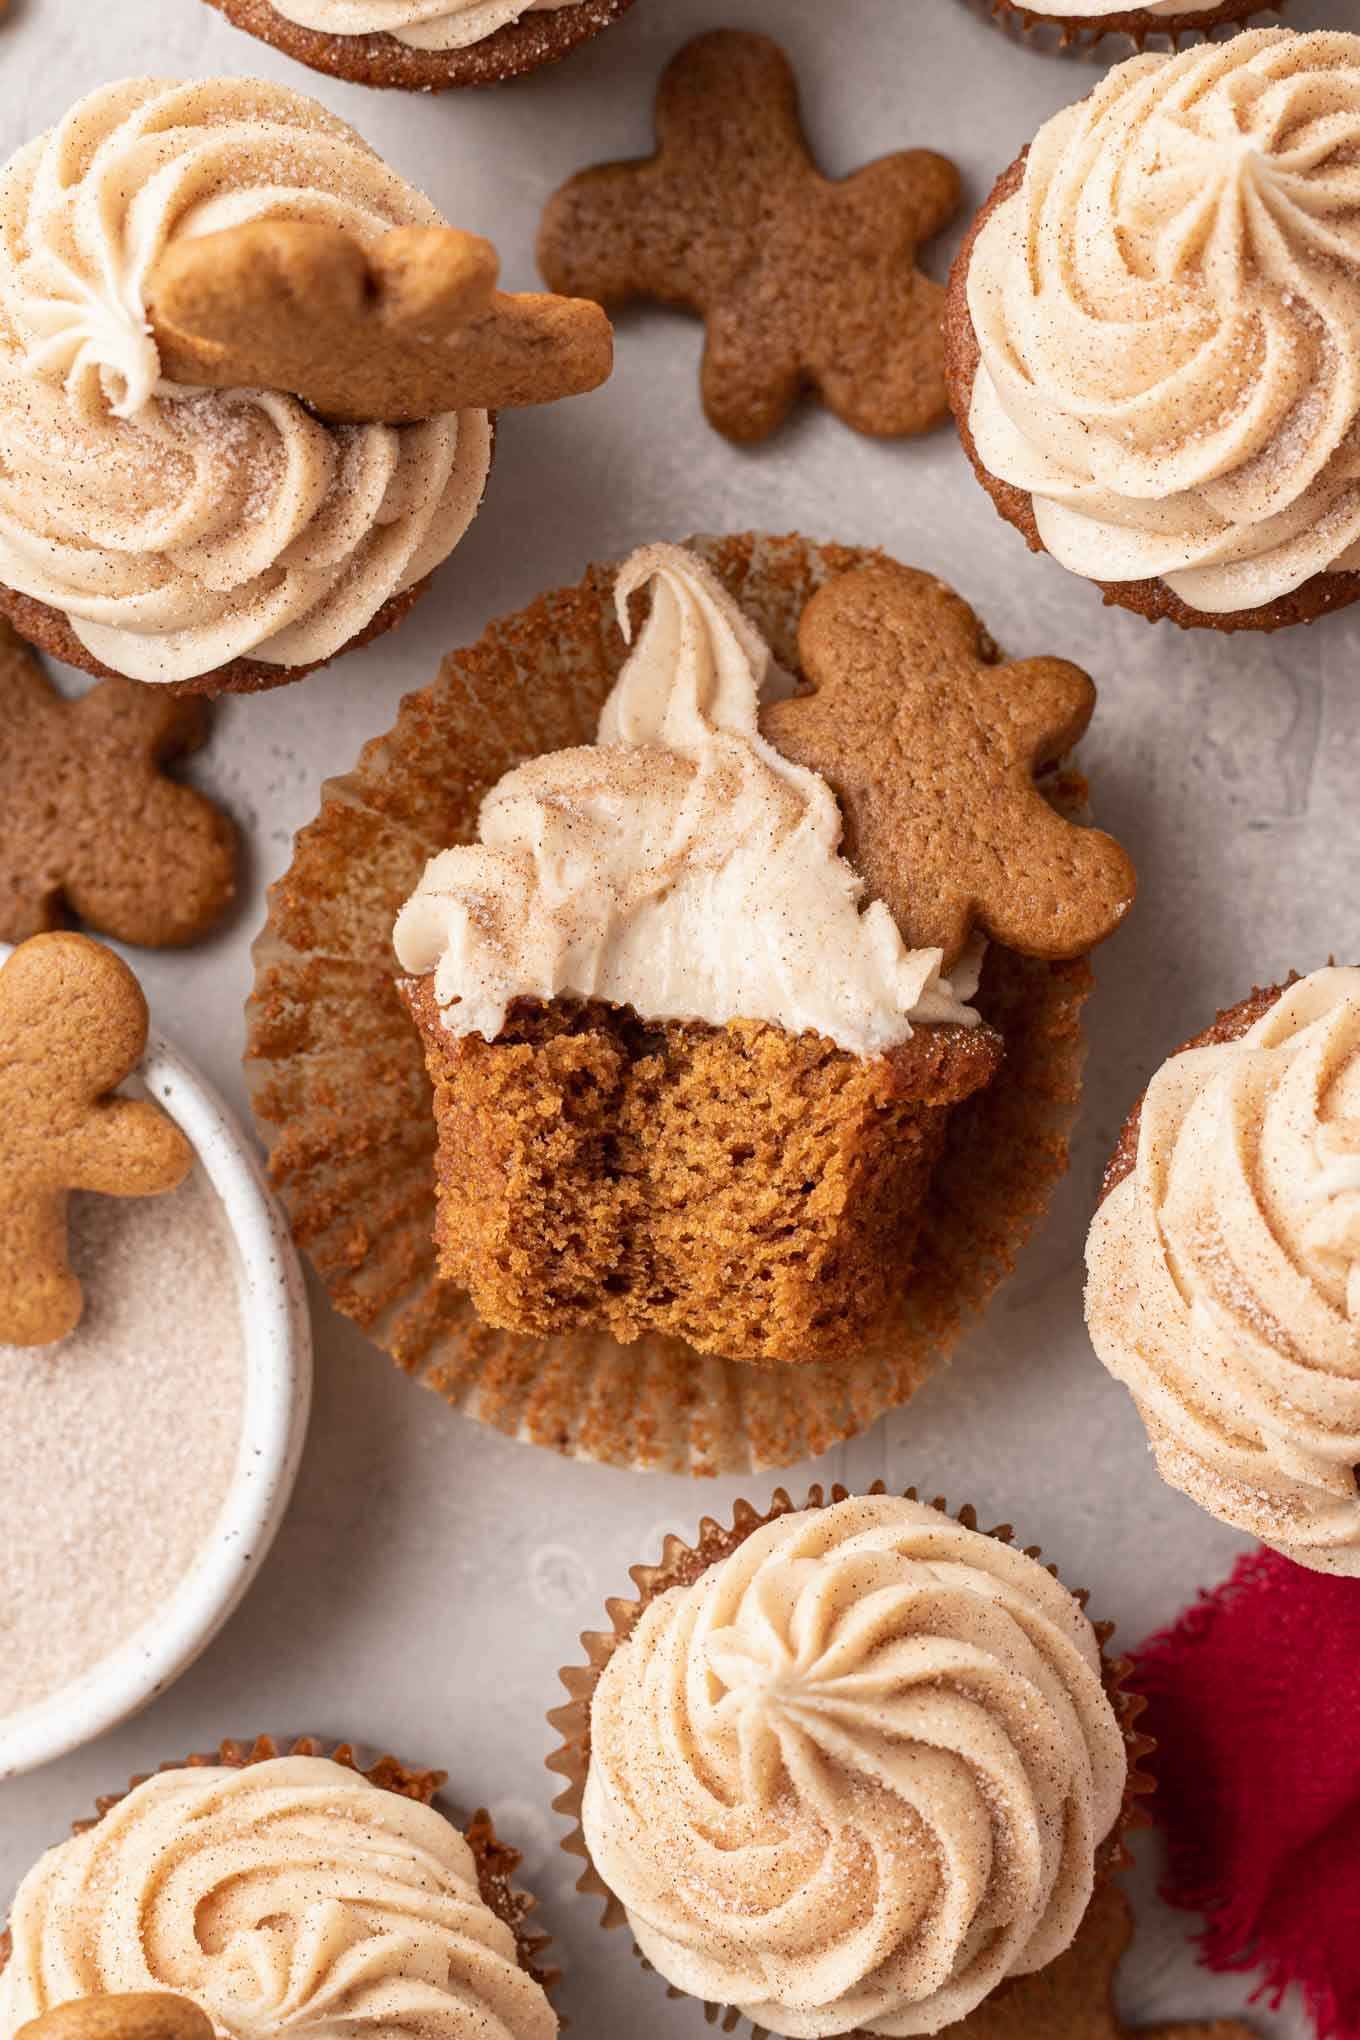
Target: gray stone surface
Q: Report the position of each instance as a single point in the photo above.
(432, 1577)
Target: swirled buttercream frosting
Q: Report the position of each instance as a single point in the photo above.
(1168, 313)
(420, 24)
(291, 1897)
(680, 865)
(1224, 1274)
(180, 529)
(857, 1774)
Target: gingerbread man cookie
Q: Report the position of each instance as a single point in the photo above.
(804, 284)
(73, 1024)
(90, 825)
(405, 329)
(1073, 1998)
(931, 743)
(130, 2015)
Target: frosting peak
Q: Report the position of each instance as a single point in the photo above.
(855, 1776)
(177, 529)
(290, 1897)
(681, 865)
(1168, 313)
(1224, 1274)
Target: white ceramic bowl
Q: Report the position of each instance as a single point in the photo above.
(278, 1393)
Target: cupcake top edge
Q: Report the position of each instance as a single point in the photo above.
(1224, 1273)
(255, 1892)
(857, 1773)
(694, 864)
(416, 24)
(1169, 323)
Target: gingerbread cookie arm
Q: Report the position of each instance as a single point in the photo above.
(405, 330)
(128, 1148)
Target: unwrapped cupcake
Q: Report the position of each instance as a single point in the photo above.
(1224, 1268)
(697, 1005)
(278, 1892)
(1154, 331)
(245, 378)
(850, 1768)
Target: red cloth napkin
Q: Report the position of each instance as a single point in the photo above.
(1254, 1699)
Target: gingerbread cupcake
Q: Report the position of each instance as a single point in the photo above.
(764, 1032)
(1152, 330)
(1088, 22)
(424, 45)
(273, 1891)
(245, 381)
(1224, 1268)
(851, 1768)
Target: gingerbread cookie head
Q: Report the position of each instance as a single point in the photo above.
(73, 1024)
(245, 373)
(932, 742)
(91, 825)
(804, 284)
(123, 2015)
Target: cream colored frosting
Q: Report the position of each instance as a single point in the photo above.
(421, 24)
(179, 530)
(680, 865)
(1168, 312)
(1224, 1274)
(291, 1897)
(1091, 10)
(856, 1775)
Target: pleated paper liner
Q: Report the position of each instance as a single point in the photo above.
(1038, 28)
(680, 1565)
(496, 1861)
(338, 1085)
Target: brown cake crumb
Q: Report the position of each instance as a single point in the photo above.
(753, 1192)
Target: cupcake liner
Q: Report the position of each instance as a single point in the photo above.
(337, 1079)
(1082, 38)
(496, 1860)
(680, 1565)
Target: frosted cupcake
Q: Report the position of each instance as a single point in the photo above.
(213, 538)
(278, 1891)
(1224, 1268)
(1153, 329)
(852, 1768)
(424, 45)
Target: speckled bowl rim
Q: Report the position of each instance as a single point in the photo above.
(278, 1342)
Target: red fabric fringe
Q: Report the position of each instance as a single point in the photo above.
(1254, 1700)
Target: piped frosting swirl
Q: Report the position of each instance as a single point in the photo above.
(420, 24)
(856, 1775)
(1168, 313)
(179, 530)
(680, 865)
(1224, 1274)
(289, 1897)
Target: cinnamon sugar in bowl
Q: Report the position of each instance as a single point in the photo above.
(146, 1460)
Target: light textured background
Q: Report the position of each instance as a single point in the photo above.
(432, 1577)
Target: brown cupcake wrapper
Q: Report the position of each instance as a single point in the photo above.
(496, 1860)
(381, 60)
(680, 1565)
(1135, 23)
(338, 1085)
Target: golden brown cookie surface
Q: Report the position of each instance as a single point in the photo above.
(73, 1023)
(404, 330)
(931, 744)
(90, 824)
(804, 284)
(122, 2015)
